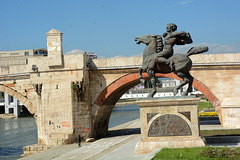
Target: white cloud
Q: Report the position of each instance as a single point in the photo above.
(213, 48)
(75, 51)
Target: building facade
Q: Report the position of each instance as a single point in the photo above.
(8, 58)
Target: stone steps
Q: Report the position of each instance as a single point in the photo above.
(35, 148)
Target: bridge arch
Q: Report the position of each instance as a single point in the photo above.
(114, 91)
(111, 94)
(25, 101)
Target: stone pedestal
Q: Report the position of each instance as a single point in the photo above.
(169, 123)
(231, 112)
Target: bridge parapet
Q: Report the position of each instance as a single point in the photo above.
(135, 62)
(116, 62)
(216, 58)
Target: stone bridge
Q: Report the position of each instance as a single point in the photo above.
(216, 76)
(72, 95)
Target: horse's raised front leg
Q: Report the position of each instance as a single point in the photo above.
(189, 89)
(182, 83)
(151, 74)
(140, 70)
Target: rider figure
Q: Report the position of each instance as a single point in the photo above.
(170, 39)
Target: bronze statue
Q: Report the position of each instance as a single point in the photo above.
(159, 58)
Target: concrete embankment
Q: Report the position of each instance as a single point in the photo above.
(125, 103)
(7, 116)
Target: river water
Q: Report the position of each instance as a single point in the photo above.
(20, 132)
(14, 135)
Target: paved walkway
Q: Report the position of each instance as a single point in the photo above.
(119, 145)
(125, 134)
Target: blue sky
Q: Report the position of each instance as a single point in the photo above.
(108, 27)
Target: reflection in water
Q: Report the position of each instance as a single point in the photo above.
(18, 133)
(14, 135)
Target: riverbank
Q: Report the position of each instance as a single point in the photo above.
(118, 136)
(17, 133)
(7, 116)
(123, 114)
(25, 127)
(119, 144)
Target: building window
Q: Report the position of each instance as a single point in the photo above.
(26, 53)
(26, 61)
(14, 54)
(11, 99)
(10, 110)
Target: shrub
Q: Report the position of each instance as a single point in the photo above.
(217, 152)
(208, 114)
(75, 86)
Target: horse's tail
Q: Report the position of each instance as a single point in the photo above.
(197, 50)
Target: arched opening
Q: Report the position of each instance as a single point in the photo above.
(11, 107)
(17, 133)
(114, 91)
(25, 101)
(111, 94)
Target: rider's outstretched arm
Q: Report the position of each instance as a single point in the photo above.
(183, 37)
(178, 34)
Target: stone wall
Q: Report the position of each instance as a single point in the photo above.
(59, 112)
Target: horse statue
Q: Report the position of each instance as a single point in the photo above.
(179, 64)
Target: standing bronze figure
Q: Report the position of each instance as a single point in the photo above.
(160, 58)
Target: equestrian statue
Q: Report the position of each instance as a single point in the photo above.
(159, 57)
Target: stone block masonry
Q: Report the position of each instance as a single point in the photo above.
(231, 112)
(55, 53)
(168, 123)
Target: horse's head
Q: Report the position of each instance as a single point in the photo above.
(154, 40)
(146, 39)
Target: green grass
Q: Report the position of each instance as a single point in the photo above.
(204, 106)
(198, 153)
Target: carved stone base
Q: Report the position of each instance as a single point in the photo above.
(144, 147)
(171, 123)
